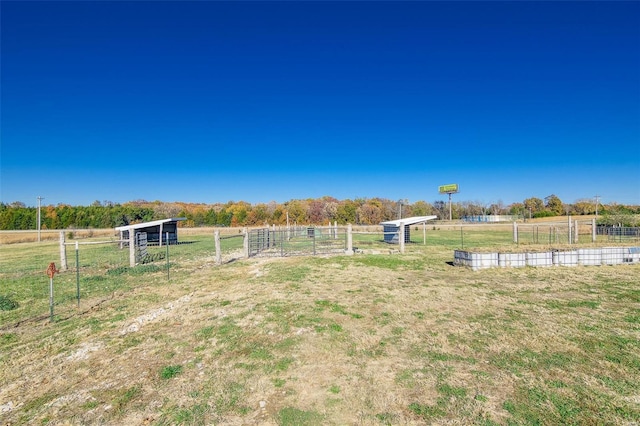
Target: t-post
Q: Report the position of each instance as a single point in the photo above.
(51, 271)
(78, 274)
(167, 254)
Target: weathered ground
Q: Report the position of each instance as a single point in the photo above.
(387, 339)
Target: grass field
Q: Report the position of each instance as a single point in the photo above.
(369, 339)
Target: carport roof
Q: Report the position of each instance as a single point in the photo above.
(408, 220)
(149, 224)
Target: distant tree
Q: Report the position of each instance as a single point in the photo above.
(497, 208)
(517, 209)
(421, 208)
(533, 205)
(470, 208)
(297, 212)
(370, 213)
(442, 209)
(330, 208)
(346, 212)
(316, 212)
(554, 205)
(583, 207)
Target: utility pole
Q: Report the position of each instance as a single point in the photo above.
(39, 200)
(597, 198)
(401, 202)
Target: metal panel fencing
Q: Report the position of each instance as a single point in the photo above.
(619, 233)
(296, 241)
(544, 234)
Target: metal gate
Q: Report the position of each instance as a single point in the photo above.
(297, 241)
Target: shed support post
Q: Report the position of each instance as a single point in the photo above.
(401, 237)
(349, 250)
(160, 242)
(424, 232)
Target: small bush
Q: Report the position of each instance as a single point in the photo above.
(170, 371)
(7, 304)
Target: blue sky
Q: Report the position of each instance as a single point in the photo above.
(271, 101)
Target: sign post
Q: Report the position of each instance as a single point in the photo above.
(51, 271)
(449, 189)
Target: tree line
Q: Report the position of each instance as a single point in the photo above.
(319, 211)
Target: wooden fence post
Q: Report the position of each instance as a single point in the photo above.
(216, 236)
(515, 232)
(349, 240)
(63, 252)
(245, 242)
(401, 237)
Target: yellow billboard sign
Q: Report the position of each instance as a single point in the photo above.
(448, 189)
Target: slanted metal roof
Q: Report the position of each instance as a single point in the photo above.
(408, 220)
(149, 224)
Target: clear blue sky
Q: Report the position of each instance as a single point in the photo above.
(272, 101)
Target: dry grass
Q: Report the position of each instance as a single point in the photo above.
(369, 340)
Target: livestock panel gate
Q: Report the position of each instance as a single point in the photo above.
(297, 241)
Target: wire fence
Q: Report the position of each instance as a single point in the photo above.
(86, 273)
(97, 267)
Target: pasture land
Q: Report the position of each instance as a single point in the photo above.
(369, 339)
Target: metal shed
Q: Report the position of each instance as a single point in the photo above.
(156, 230)
(391, 228)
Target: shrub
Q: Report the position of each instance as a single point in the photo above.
(7, 304)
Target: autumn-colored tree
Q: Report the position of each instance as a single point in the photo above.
(533, 205)
(346, 212)
(554, 205)
(422, 208)
(297, 210)
(371, 213)
(583, 207)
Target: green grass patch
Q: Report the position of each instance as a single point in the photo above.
(170, 371)
(290, 416)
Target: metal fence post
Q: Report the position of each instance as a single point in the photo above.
(78, 273)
